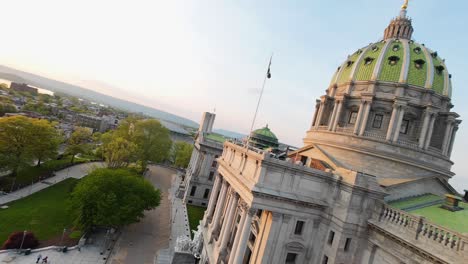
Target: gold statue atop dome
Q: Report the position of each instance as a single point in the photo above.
(405, 5)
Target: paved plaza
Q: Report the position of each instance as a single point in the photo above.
(140, 242)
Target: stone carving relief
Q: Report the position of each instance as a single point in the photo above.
(413, 94)
(383, 89)
(361, 88)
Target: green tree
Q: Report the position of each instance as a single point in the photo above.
(16, 138)
(112, 198)
(79, 142)
(46, 140)
(136, 140)
(119, 152)
(182, 152)
(152, 140)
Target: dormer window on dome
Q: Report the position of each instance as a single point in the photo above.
(396, 47)
(434, 54)
(375, 48)
(359, 52)
(368, 61)
(338, 69)
(417, 50)
(439, 69)
(419, 64)
(349, 63)
(393, 60)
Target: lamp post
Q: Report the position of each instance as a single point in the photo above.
(22, 241)
(63, 234)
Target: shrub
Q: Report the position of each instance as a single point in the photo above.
(14, 241)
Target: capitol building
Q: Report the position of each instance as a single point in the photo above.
(371, 183)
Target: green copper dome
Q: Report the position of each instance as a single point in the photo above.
(396, 59)
(263, 138)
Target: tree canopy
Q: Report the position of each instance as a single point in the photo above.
(79, 142)
(136, 140)
(112, 198)
(24, 139)
(182, 152)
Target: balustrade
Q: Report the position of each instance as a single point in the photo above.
(422, 228)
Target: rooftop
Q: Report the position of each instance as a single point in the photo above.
(424, 206)
(216, 137)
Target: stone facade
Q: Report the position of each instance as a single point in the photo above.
(200, 174)
(370, 141)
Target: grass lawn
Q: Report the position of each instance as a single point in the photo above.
(32, 174)
(45, 213)
(195, 214)
(456, 221)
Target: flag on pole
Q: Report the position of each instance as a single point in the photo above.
(268, 72)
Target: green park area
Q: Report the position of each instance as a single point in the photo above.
(33, 174)
(45, 213)
(195, 214)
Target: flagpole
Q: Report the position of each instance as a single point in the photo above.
(267, 76)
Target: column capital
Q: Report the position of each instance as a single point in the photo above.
(276, 216)
(341, 97)
(252, 211)
(243, 205)
(324, 98)
(367, 97)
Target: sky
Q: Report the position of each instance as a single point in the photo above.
(187, 57)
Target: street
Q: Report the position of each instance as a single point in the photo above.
(140, 242)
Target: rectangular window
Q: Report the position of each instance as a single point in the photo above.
(207, 192)
(404, 126)
(210, 177)
(325, 259)
(291, 258)
(299, 226)
(347, 244)
(377, 123)
(193, 190)
(353, 117)
(330, 237)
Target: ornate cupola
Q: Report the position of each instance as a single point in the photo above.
(400, 27)
(388, 109)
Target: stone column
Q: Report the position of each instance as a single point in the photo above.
(212, 201)
(429, 131)
(272, 238)
(358, 118)
(240, 226)
(323, 103)
(332, 118)
(454, 132)
(365, 118)
(337, 114)
(317, 110)
(244, 236)
(396, 132)
(391, 125)
(224, 238)
(447, 135)
(423, 132)
(219, 208)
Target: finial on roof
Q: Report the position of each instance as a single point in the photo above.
(266, 126)
(405, 5)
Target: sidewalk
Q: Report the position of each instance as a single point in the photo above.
(89, 254)
(76, 171)
(179, 223)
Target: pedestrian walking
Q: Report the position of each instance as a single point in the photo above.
(44, 260)
(38, 258)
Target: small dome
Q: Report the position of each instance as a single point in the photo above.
(263, 138)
